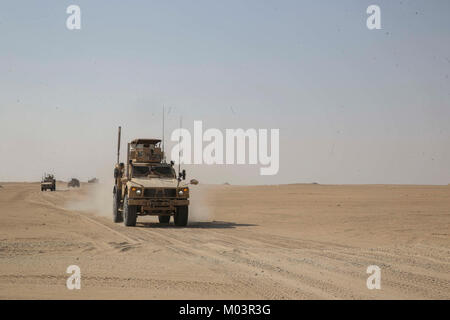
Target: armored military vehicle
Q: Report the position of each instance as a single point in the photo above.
(147, 185)
(74, 183)
(48, 182)
(93, 180)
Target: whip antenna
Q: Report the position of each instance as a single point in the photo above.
(163, 142)
(118, 144)
(179, 149)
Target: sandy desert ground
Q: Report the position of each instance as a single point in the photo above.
(299, 241)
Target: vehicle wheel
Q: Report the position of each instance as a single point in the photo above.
(164, 219)
(129, 213)
(117, 215)
(181, 216)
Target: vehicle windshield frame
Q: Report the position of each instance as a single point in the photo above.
(152, 173)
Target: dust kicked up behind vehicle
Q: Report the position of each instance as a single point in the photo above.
(147, 185)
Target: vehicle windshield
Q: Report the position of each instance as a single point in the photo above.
(141, 171)
(158, 171)
(164, 171)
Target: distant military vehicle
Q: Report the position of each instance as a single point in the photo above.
(48, 182)
(74, 183)
(147, 185)
(93, 180)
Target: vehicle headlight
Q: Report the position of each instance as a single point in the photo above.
(183, 192)
(136, 191)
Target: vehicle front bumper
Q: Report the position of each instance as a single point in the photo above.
(158, 204)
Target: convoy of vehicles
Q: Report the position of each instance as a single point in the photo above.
(145, 185)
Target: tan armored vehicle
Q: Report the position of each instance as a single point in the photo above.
(74, 183)
(93, 180)
(147, 185)
(48, 182)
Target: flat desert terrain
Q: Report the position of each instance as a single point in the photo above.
(302, 241)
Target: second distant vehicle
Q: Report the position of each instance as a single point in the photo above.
(93, 180)
(74, 183)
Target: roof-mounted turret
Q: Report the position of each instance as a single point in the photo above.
(146, 151)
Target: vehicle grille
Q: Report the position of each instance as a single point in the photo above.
(160, 193)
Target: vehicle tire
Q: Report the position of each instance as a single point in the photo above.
(117, 215)
(181, 216)
(129, 213)
(164, 219)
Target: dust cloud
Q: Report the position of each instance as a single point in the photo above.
(97, 199)
(200, 210)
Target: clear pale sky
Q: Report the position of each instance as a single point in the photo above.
(353, 105)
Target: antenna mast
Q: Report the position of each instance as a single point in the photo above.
(163, 142)
(179, 150)
(118, 144)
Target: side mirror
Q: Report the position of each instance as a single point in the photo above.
(193, 181)
(172, 163)
(116, 173)
(183, 174)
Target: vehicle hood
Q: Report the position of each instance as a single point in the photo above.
(153, 183)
